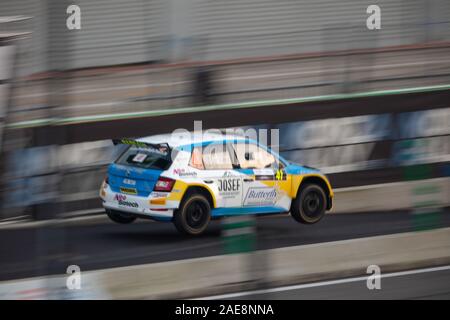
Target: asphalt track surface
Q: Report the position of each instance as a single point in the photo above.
(34, 250)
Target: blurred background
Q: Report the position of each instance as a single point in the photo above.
(368, 107)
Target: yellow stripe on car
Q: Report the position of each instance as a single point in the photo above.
(180, 187)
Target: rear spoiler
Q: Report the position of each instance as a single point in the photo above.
(161, 148)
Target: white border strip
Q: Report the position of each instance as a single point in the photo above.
(321, 284)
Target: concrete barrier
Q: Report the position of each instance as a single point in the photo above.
(388, 196)
(230, 273)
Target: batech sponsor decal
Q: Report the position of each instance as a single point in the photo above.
(260, 196)
(229, 188)
(122, 201)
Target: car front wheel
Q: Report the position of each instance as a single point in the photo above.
(310, 204)
(193, 216)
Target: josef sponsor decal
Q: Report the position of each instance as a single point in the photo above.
(260, 196)
(122, 201)
(229, 184)
(229, 188)
(184, 173)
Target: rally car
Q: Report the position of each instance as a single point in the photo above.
(191, 180)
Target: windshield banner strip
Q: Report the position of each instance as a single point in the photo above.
(161, 148)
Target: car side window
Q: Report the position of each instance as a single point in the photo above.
(251, 156)
(211, 157)
(197, 159)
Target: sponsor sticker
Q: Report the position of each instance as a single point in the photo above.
(128, 190)
(269, 174)
(184, 173)
(229, 188)
(263, 172)
(159, 195)
(129, 181)
(140, 157)
(260, 196)
(122, 201)
(230, 174)
(265, 177)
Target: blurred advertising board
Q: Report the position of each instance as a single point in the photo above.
(369, 141)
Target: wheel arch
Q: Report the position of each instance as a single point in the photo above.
(203, 190)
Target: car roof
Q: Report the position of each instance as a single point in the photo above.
(188, 138)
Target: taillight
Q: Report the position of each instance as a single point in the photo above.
(164, 184)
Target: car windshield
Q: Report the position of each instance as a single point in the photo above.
(147, 158)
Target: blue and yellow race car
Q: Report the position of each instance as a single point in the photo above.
(196, 178)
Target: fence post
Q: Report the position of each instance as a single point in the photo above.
(425, 197)
(238, 234)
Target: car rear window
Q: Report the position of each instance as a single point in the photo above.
(147, 158)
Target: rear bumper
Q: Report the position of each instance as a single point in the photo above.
(139, 206)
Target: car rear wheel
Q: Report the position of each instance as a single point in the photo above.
(310, 204)
(120, 217)
(193, 216)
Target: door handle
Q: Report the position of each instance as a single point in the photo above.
(249, 180)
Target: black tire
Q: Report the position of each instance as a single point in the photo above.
(120, 217)
(193, 216)
(310, 204)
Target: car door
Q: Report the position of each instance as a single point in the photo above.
(219, 175)
(265, 184)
